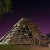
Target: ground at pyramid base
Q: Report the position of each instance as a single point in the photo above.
(25, 32)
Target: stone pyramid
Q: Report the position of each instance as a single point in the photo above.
(23, 32)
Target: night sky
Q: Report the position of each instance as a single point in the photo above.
(38, 11)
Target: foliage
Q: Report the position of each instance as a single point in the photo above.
(14, 47)
(5, 6)
(48, 34)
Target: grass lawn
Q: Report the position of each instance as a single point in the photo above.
(22, 47)
(15, 47)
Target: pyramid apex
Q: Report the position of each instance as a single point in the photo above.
(23, 19)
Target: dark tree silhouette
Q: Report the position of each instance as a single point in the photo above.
(48, 34)
(5, 6)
